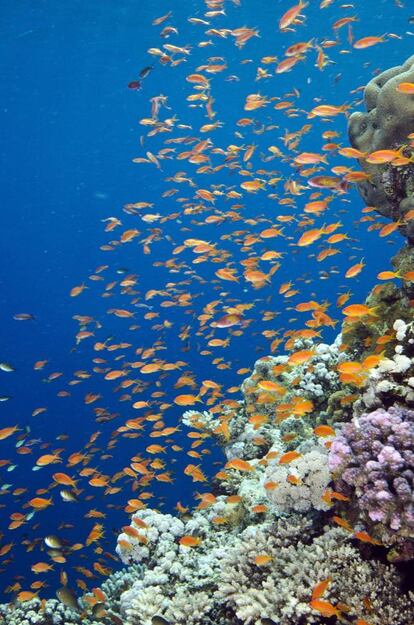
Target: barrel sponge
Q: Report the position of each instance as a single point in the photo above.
(390, 114)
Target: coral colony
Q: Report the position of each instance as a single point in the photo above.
(311, 519)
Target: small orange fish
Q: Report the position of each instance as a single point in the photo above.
(41, 567)
(389, 228)
(77, 290)
(342, 523)
(355, 311)
(328, 110)
(324, 430)
(292, 16)
(367, 42)
(190, 541)
(26, 595)
(6, 432)
(324, 607)
(259, 508)
(405, 87)
(239, 465)
(289, 457)
(320, 588)
(300, 357)
(310, 237)
(355, 270)
(366, 538)
(186, 400)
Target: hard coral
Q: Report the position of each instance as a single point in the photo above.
(373, 463)
(386, 125)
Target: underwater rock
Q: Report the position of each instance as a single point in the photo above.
(361, 335)
(391, 382)
(386, 124)
(403, 263)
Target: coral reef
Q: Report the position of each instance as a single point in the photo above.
(373, 463)
(256, 547)
(33, 613)
(260, 543)
(266, 571)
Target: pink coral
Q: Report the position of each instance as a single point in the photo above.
(372, 461)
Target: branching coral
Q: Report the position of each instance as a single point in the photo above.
(300, 485)
(281, 591)
(373, 462)
(33, 613)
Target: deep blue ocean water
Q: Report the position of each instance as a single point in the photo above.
(69, 131)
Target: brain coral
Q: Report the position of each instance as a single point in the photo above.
(388, 120)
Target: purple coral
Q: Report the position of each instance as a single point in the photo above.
(372, 461)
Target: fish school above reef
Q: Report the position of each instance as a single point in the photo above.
(310, 520)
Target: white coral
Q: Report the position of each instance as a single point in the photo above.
(159, 534)
(311, 469)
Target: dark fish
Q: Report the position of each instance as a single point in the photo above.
(145, 71)
(159, 620)
(7, 367)
(98, 610)
(411, 19)
(23, 317)
(68, 496)
(5, 397)
(53, 542)
(135, 85)
(67, 597)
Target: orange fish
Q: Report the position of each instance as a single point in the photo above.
(6, 432)
(310, 237)
(289, 456)
(355, 311)
(239, 465)
(190, 541)
(367, 42)
(324, 430)
(186, 400)
(292, 16)
(320, 588)
(366, 538)
(325, 608)
(40, 503)
(262, 559)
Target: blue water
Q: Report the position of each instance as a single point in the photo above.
(69, 131)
